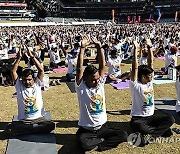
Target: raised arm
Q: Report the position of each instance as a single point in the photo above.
(15, 66)
(101, 58)
(79, 71)
(61, 47)
(37, 64)
(134, 70)
(150, 54)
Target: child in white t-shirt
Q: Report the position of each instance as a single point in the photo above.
(144, 120)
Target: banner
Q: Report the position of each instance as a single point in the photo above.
(14, 4)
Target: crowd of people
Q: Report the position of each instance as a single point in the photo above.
(70, 46)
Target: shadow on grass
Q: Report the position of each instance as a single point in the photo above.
(124, 126)
(69, 140)
(69, 144)
(120, 112)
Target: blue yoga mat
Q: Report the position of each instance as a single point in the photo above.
(167, 105)
(32, 143)
(162, 81)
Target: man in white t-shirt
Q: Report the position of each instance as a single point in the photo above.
(29, 98)
(143, 118)
(93, 132)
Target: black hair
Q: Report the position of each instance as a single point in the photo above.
(113, 52)
(89, 70)
(76, 45)
(144, 70)
(27, 72)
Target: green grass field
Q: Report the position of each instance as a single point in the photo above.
(64, 109)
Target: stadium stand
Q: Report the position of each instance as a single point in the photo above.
(14, 9)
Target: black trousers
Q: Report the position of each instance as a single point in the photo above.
(55, 65)
(105, 138)
(70, 76)
(40, 125)
(154, 125)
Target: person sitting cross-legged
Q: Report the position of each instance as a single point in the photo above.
(114, 69)
(93, 133)
(144, 120)
(29, 98)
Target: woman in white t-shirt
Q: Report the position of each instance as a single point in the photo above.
(144, 120)
(114, 70)
(93, 132)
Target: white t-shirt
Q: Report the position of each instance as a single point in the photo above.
(170, 59)
(166, 42)
(118, 47)
(142, 99)
(30, 103)
(177, 85)
(54, 56)
(92, 105)
(114, 66)
(72, 63)
(4, 54)
(143, 61)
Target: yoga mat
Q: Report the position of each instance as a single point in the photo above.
(71, 86)
(162, 81)
(120, 64)
(120, 85)
(12, 55)
(161, 58)
(167, 105)
(14, 95)
(60, 69)
(32, 143)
